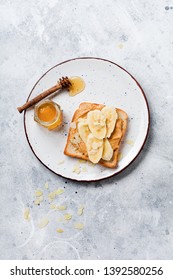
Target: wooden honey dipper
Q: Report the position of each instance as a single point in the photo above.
(64, 82)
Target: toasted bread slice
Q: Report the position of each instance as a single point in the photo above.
(76, 148)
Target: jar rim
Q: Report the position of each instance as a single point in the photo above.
(37, 106)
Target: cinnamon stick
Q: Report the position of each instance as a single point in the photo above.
(64, 82)
(39, 98)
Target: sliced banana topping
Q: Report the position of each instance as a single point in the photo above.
(95, 131)
(97, 123)
(94, 148)
(107, 150)
(83, 129)
(111, 117)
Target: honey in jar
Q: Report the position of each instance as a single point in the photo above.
(48, 114)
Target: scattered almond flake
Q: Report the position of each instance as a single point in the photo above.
(76, 169)
(52, 206)
(51, 195)
(80, 119)
(80, 210)
(130, 142)
(120, 156)
(44, 222)
(38, 193)
(91, 163)
(59, 230)
(67, 216)
(73, 141)
(37, 201)
(79, 226)
(61, 162)
(84, 169)
(61, 207)
(60, 220)
(55, 192)
(41, 198)
(120, 46)
(82, 161)
(26, 214)
(77, 137)
(73, 125)
(46, 185)
(59, 191)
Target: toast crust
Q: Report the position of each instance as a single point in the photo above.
(76, 148)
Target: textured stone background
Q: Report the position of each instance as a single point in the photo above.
(129, 216)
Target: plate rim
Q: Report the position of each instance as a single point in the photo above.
(147, 106)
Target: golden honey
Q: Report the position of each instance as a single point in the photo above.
(77, 85)
(48, 114)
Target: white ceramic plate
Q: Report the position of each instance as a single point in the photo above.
(106, 83)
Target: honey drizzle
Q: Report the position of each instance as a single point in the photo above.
(77, 85)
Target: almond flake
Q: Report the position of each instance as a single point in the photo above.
(46, 185)
(120, 156)
(59, 230)
(38, 193)
(60, 220)
(37, 201)
(59, 191)
(73, 141)
(27, 214)
(41, 198)
(130, 142)
(73, 125)
(67, 216)
(78, 226)
(61, 207)
(120, 46)
(51, 195)
(61, 162)
(81, 119)
(44, 222)
(91, 163)
(80, 210)
(76, 169)
(84, 169)
(82, 161)
(77, 137)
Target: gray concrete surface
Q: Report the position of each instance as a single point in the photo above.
(129, 216)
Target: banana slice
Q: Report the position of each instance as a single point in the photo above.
(83, 129)
(111, 117)
(94, 148)
(97, 123)
(107, 150)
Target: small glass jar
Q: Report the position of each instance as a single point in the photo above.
(48, 114)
